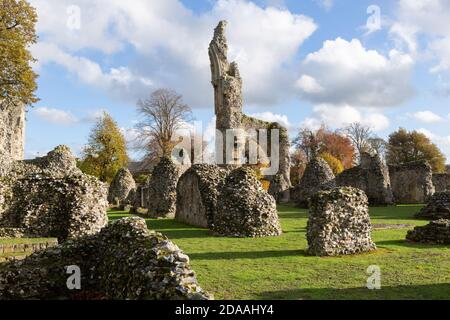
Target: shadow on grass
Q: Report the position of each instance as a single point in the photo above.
(419, 292)
(408, 244)
(247, 255)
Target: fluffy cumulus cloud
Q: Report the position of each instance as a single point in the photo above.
(169, 43)
(348, 83)
(55, 116)
(345, 73)
(427, 19)
(428, 117)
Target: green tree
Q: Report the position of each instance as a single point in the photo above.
(334, 163)
(106, 152)
(17, 33)
(404, 147)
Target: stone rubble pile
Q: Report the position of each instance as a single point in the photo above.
(124, 261)
(437, 232)
(437, 208)
(244, 208)
(318, 176)
(122, 189)
(339, 223)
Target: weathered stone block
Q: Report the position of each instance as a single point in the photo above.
(441, 182)
(122, 189)
(437, 208)
(339, 223)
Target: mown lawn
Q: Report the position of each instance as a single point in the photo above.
(278, 268)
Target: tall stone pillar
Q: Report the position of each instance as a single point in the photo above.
(12, 132)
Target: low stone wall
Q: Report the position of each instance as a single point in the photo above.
(123, 261)
(371, 176)
(339, 223)
(244, 208)
(441, 181)
(437, 232)
(49, 197)
(197, 194)
(412, 182)
(318, 176)
(437, 208)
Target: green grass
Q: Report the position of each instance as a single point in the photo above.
(278, 268)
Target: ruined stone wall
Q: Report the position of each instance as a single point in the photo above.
(437, 208)
(244, 208)
(12, 132)
(197, 194)
(441, 181)
(437, 232)
(51, 197)
(339, 223)
(412, 182)
(124, 261)
(227, 84)
(122, 189)
(371, 176)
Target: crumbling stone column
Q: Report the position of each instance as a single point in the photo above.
(122, 189)
(339, 223)
(437, 208)
(437, 232)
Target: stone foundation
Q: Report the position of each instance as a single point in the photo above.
(437, 232)
(339, 223)
(123, 262)
(244, 208)
(412, 183)
(371, 176)
(437, 208)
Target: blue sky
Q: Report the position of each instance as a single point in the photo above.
(303, 63)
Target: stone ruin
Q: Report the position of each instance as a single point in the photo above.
(437, 208)
(12, 132)
(198, 193)
(339, 223)
(51, 197)
(227, 84)
(161, 189)
(124, 261)
(437, 232)
(122, 189)
(412, 183)
(318, 176)
(371, 176)
(244, 208)
(441, 181)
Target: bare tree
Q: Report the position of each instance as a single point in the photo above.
(380, 146)
(359, 135)
(162, 114)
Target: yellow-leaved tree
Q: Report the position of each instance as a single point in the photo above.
(106, 152)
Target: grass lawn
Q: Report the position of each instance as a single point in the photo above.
(278, 268)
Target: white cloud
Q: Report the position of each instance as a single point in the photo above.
(170, 44)
(425, 19)
(55, 116)
(427, 117)
(342, 116)
(272, 117)
(346, 73)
